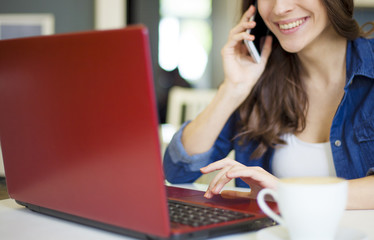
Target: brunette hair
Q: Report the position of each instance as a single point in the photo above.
(278, 102)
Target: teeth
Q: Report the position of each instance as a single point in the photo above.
(291, 25)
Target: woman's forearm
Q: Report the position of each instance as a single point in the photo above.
(200, 135)
(361, 193)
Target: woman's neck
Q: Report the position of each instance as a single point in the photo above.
(324, 61)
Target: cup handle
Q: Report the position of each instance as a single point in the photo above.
(265, 208)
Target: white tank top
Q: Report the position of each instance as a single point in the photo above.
(298, 158)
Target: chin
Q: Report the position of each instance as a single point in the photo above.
(291, 47)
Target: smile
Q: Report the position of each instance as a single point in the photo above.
(291, 25)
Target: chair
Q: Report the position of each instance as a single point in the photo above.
(185, 104)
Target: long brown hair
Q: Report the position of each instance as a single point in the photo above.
(278, 102)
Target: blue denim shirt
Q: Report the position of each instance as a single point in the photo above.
(351, 133)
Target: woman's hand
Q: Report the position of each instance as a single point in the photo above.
(256, 177)
(241, 72)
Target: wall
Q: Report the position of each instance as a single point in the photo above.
(224, 17)
(70, 15)
(363, 15)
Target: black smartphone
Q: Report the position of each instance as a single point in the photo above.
(260, 31)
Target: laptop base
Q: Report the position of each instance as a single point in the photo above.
(241, 227)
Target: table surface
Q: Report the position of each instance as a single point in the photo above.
(17, 222)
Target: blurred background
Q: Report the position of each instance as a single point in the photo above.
(186, 35)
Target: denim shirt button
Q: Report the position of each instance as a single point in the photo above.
(338, 143)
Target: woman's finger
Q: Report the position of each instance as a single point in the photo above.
(241, 27)
(220, 183)
(248, 14)
(254, 175)
(220, 180)
(236, 40)
(216, 178)
(215, 185)
(231, 194)
(218, 165)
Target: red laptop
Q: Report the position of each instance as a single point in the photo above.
(79, 134)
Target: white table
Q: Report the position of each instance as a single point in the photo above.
(17, 222)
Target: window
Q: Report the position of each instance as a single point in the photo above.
(185, 37)
(25, 25)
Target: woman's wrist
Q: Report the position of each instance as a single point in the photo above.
(233, 94)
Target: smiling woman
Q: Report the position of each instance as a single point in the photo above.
(320, 26)
(304, 110)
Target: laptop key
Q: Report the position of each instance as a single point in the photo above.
(196, 216)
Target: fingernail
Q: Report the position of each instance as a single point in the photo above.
(250, 37)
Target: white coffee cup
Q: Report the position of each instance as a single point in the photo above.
(310, 207)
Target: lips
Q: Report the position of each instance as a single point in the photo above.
(290, 25)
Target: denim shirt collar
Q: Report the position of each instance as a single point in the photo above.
(360, 60)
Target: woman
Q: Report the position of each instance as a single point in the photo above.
(305, 110)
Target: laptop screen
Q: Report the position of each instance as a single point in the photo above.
(78, 127)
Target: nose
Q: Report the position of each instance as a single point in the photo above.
(282, 7)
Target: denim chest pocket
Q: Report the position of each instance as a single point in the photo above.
(365, 132)
(365, 136)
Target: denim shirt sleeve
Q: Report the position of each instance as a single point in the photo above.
(179, 167)
(178, 153)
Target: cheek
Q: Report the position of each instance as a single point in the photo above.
(264, 9)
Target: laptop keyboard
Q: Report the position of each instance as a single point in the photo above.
(196, 216)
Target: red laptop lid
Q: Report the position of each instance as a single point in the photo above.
(78, 127)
